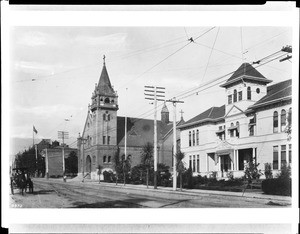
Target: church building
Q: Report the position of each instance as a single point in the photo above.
(251, 126)
(104, 132)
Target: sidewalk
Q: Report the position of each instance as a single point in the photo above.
(192, 192)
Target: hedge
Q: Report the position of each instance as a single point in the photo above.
(277, 186)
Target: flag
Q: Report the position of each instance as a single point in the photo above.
(35, 130)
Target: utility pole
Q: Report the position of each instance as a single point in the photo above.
(47, 164)
(36, 161)
(287, 49)
(155, 94)
(83, 140)
(125, 146)
(63, 135)
(174, 101)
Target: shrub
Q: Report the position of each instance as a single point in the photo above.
(230, 175)
(268, 171)
(252, 172)
(285, 172)
(277, 186)
(108, 176)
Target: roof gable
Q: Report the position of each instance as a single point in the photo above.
(234, 110)
(246, 72)
(246, 69)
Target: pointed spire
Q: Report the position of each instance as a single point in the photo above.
(165, 108)
(104, 85)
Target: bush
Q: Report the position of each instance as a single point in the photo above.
(277, 186)
(230, 175)
(268, 171)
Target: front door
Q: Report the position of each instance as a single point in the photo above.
(225, 164)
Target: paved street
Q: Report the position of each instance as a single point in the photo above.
(54, 193)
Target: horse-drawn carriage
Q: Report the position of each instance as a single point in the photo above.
(20, 179)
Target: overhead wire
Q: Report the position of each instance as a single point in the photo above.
(210, 55)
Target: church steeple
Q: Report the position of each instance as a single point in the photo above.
(104, 96)
(104, 85)
(165, 114)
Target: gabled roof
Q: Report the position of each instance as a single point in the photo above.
(275, 93)
(246, 72)
(211, 114)
(104, 85)
(141, 131)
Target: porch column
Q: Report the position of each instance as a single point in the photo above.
(253, 154)
(207, 160)
(219, 163)
(234, 160)
(237, 160)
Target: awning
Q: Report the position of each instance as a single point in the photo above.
(220, 131)
(232, 128)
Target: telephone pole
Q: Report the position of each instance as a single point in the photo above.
(155, 94)
(63, 135)
(174, 101)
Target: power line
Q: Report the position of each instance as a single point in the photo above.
(224, 77)
(149, 69)
(210, 55)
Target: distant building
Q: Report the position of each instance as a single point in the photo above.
(251, 125)
(104, 132)
(55, 159)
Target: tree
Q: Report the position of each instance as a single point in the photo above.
(251, 173)
(28, 160)
(147, 159)
(72, 163)
(125, 166)
(117, 164)
(180, 168)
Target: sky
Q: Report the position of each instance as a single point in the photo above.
(53, 70)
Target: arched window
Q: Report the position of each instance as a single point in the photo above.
(197, 137)
(106, 100)
(235, 96)
(231, 131)
(283, 120)
(249, 93)
(112, 101)
(290, 117)
(108, 117)
(190, 138)
(275, 121)
(193, 137)
(109, 159)
(104, 159)
(104, 117)
(237, 129)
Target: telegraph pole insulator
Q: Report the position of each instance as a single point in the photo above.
(287, 49)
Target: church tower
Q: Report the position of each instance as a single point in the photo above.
(165, 114)
(104, 109)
